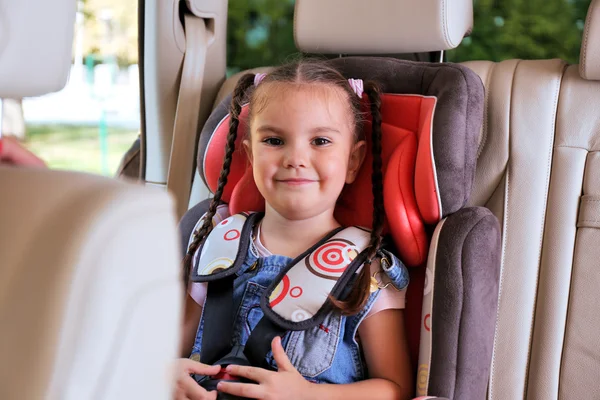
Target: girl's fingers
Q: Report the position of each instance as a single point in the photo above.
(258, 375)
(194, 367)
(247, 390)
(194, 391)
(282, 360)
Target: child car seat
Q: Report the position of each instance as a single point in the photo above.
(432, 115)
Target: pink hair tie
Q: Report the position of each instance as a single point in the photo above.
(357, 86)
(258, 78)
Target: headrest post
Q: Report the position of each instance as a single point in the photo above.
(441, 56)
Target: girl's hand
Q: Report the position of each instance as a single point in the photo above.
(286, 383)
(187, 388)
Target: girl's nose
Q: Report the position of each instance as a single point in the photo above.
(295, 157)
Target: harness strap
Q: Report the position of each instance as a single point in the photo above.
(218, 321)
(259, 342)
(297, 299)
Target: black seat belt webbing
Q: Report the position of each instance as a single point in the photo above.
(218, 321)
(259, 342)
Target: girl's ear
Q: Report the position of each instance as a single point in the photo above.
(248, 149)
(357, 156)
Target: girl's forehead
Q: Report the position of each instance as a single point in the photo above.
(320, 99)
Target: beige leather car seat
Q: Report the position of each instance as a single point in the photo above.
(539, 172)
(90, 296)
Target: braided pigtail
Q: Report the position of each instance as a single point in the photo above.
(374, 94)
(235, 109)
(360, 290)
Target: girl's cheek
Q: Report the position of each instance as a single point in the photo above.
(338, 165)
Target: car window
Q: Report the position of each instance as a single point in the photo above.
(525, 29)
(259, 33)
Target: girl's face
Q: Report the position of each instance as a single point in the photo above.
(303, 149)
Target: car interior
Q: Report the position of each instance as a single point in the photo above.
(90, 266)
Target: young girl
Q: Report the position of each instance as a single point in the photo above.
(305, 143)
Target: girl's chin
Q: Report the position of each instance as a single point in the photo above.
(294, 211)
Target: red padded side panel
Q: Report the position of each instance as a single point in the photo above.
(426, 188)
(215, 154)
(406, 225)
(245, 195)
(355, 205)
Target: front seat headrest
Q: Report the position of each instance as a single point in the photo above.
(589, 59)
(89, 281)
(380, 27)
(36, 38)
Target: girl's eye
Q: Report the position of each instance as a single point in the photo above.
(273, 141)
(321, 141)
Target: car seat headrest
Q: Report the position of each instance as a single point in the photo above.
(432, 115)
(35, 46)
(380, 27)
(589, 62)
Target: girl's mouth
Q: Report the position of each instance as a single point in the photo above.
(296, 181)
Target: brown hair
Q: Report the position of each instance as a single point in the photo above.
(306, 72)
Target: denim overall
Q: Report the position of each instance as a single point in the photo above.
(328, 353)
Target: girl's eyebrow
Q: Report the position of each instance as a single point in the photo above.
(270, 129)
(323, 129)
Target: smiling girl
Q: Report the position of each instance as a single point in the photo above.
(305, 144)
